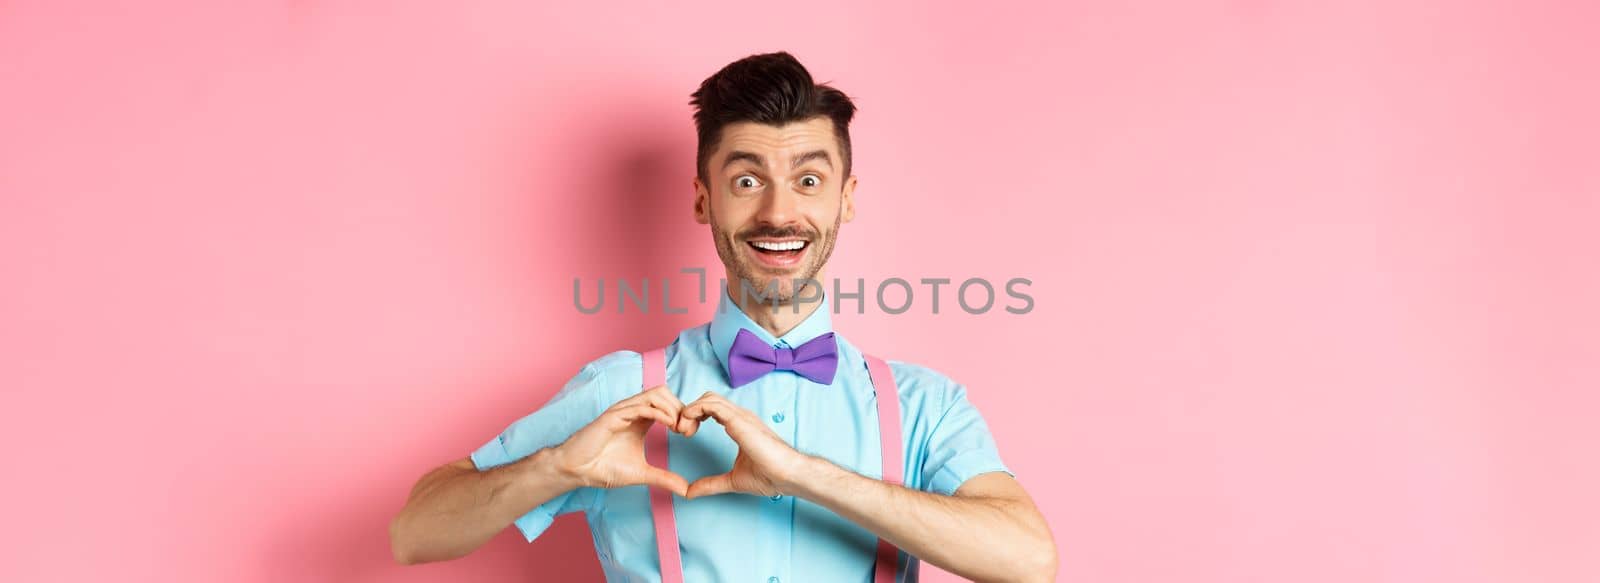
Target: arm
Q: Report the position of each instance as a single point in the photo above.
(989, 530)
(456, 508)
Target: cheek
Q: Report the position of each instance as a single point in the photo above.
(822, 213)
(729, 215)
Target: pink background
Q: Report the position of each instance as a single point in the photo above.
(1316, 282)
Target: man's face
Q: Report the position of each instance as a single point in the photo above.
(775, 197)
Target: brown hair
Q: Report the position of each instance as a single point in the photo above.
(772, 89)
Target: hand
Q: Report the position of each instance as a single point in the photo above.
(609, 451)
(766, 464)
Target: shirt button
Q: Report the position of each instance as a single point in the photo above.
(777, 497)
(777, 417)
(773, 579)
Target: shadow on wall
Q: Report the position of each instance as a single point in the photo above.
(619, 208)
(631, 207)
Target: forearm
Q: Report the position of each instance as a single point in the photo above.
(453, 510)
(984, 539)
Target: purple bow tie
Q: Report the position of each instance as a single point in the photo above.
(749, 358)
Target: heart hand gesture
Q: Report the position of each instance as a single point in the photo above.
(766, 465)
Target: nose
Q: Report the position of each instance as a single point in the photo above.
(777, 206)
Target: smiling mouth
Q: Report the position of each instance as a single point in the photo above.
(778, 253)
(778, 247)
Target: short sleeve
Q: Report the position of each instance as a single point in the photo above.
(577, 404)
(960, 446)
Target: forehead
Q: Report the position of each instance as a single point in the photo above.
(774, 143)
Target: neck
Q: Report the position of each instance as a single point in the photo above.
(780, 320)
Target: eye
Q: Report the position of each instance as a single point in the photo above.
(746, 182)
(810, 181)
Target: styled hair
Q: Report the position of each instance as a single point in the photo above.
(771, 89)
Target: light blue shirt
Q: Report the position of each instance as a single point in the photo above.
(743, 537)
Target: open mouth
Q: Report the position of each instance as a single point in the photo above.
(778, 253)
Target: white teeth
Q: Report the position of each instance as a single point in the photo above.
(778, 245)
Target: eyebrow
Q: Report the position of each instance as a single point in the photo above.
(741, 155)
(738, 155)
(812, 155)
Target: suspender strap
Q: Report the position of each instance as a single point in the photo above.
(889, 438)
(655, 452)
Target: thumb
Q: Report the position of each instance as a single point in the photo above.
(711, 485)
(667, 480)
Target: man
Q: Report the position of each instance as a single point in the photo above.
(782, 477)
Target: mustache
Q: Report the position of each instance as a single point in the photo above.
(779, 233)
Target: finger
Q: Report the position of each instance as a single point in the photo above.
(708, 405)
(630, 415)
(662, 398)
(728, 415)
(716, 406)
(667, 480)
(709, 396)
(711, 486)
(691, 423)
(721, 410)
(649, 395)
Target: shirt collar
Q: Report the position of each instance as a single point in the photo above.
(729, 319)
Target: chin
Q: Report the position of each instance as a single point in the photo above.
(786, 288)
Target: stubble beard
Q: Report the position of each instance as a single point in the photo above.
(741, 270)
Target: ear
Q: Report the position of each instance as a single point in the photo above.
(702, 200)
(847, 206)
